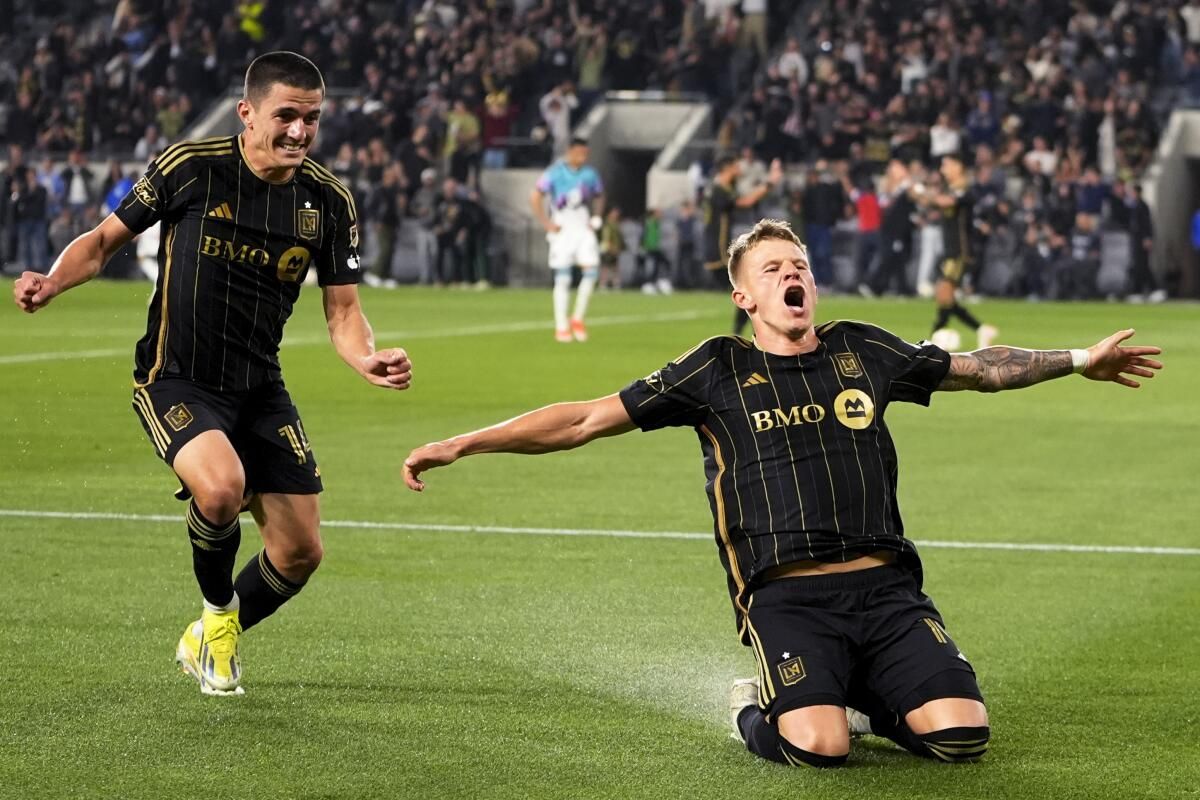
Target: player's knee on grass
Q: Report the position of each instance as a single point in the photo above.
(816, 736)
(803, 757)
(958, 744)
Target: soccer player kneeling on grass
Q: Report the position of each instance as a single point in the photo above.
(801, 479)
(243, 219)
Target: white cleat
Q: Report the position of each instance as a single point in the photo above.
(986, 335)
(858, 722)
(742, 695)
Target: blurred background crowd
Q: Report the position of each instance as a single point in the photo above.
(1057, 108)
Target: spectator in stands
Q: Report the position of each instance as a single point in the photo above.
(462, 148)
(753, 31)
(652, 262)
(1073, 273)
(612, 244)
(475, 240)
(591, 57)
(791, 63)
(383, 209)
(423, 210)
(151, 143)
(29, 216)
(449, 226)
(927, 184)
(62, 230)
(896, 233)
(10, 187)
(1040, 160)
(1190, 13)
(499, 116)
(416, 156)
(869, 219)
(116, 186)
(983, 126)
(752, 173)
(22, 124)
(1091, 193)
(556, 106)
(824, 206)
(79, 184)
(944, 137)
(687, 253)
(1143, 285)
(49, 178)
(1031, 247)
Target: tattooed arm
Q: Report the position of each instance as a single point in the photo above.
(994, 369)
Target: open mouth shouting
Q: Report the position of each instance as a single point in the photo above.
(794, 297)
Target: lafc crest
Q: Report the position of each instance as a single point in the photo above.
(308, 222)
(791, 671)
(178, 417)
(848, 365)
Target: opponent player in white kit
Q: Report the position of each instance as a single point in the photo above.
(576, 208)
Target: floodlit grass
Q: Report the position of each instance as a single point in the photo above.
(428, 664)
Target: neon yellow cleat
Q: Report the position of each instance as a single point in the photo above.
(208, 651)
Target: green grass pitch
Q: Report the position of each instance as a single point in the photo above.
(438, 662)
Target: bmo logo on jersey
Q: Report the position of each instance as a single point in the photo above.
(853, 408)
(290, 266)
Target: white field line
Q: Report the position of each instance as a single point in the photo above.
(612, 534)
(399, 337)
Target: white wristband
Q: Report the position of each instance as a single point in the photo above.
(1079, 360)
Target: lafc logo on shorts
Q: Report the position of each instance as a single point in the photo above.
(178, 417)
(847, 364)
(791, 671)
(308, 222)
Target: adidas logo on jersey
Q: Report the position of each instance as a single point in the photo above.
(754, 380)
(221, 212)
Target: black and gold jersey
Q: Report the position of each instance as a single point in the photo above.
(234, 250)
(957, 223)
(798, 462)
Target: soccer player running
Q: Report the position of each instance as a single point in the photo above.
(577, 205)
(720, 201)
(801, 481)
(955, 205)
(244, 218)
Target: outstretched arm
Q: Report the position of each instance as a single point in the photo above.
(80, 262)
(994, 369)
(561, 426)
(355, 343)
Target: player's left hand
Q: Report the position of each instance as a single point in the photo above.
(435, 454)
(1107, 360)
(390, 369)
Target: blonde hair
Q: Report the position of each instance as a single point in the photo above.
(765, 230)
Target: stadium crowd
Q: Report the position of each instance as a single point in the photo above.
(1053, 103)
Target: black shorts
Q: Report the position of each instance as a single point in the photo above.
(262, 425)
(952, 270)
(823, 639)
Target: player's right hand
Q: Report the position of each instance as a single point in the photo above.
(34, 290)
(435, 454)
(553, 227)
